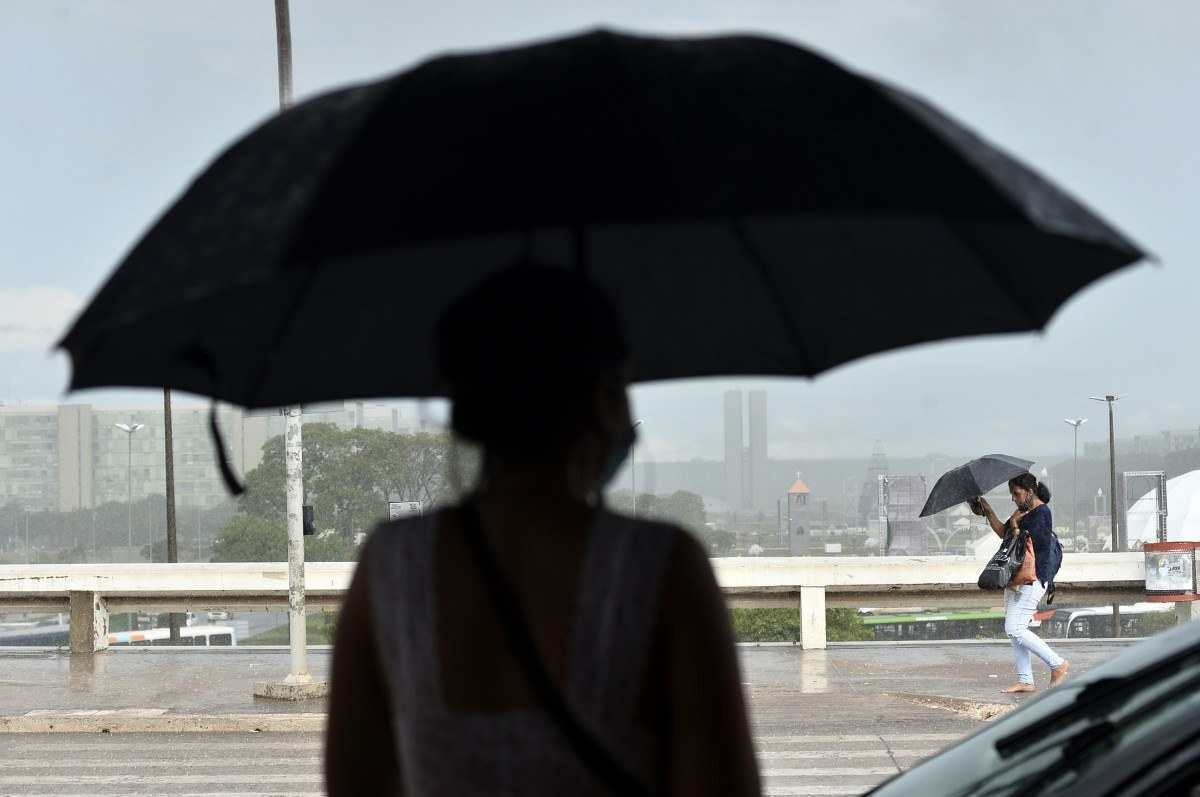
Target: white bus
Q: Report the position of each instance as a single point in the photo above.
(1096, 621)
(195, 635)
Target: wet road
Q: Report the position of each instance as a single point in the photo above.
(830, 722)
(262, 764)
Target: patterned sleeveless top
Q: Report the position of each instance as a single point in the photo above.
(520, 752)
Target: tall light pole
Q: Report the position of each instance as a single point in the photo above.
(299, 684)
(633, 463)
(1113, 504)
(1075, 424)
(129, 429)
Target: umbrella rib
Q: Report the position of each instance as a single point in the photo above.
(776, 295)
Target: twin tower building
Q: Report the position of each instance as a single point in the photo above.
(746, 482)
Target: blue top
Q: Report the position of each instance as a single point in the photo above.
(1047, 552)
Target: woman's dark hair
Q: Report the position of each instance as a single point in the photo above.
(1027, 481)
(521, 354)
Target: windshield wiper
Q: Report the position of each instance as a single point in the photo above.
(1097, 699)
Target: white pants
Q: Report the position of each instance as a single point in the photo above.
(1019, 605)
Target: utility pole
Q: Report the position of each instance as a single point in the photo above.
(299, 684)
(172, 541)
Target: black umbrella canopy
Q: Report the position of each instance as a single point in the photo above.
(752, 207)
(973, 479)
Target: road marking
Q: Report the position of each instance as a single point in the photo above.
(850, 754)
(152, 780)
(908, 737)
(120, 744)
(821, 772)
(58, 722)
(813, 791)
(178, 763)
(98, 712)
(177, 794)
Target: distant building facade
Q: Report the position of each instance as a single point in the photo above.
(74, 456)
(734, 448)
(747, 482)
(1151, 444)
(761, 496)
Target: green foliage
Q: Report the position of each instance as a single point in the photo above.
(1157, 622)
(718, 542)
(683, 508)
(248, 538)
(321, 630)
(69, 536)
(845, 625)
(783, 625)
(350, 475)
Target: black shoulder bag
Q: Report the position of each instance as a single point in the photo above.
(594, 755)
(1005, 562)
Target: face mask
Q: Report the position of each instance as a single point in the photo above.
(617, 455)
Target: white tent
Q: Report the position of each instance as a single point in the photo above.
(1183, 512)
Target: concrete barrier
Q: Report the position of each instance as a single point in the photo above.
(92, 591)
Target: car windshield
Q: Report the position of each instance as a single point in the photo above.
(1092, 730)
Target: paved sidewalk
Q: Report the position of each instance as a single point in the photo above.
(782, 681)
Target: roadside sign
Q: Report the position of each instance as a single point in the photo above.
(403, 509)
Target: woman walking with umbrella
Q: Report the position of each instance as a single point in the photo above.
(1023, 594)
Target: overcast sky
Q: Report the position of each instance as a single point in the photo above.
(111, 107)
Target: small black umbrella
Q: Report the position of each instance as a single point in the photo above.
(972, 480)
(752, 207)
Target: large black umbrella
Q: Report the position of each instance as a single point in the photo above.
(753, 208)
(971, 480)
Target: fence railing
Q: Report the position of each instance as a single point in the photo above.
(90, 592)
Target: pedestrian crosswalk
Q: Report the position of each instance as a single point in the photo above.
(289, 764)
(839, 765)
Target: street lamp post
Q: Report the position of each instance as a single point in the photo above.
(1075, 424)
(299, 683)
(129, 429)
(1113, 504)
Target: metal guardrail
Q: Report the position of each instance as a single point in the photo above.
(92, 591)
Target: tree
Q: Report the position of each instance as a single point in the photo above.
(248, 538)
(685, 509)
(681, 507)
(350, 475)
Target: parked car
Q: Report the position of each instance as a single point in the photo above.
(1130, 727)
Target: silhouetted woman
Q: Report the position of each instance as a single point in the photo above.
(626, 616)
